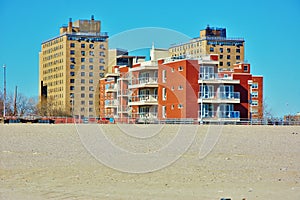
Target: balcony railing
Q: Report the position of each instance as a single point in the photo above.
(144, 80)
(220, 114)
(219, 95)
(144, 98)
(213, 76)
(111, 103)
(111, 87)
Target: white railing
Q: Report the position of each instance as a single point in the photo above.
(219, 95)
(111, 103)
(143, 98)
(113, 86)
(144, 80)
(213, 76)
(220, 114)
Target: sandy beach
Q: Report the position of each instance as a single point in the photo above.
(50, 162)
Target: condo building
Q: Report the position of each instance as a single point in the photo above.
(212, 41)
(186, 90)
(70, 66)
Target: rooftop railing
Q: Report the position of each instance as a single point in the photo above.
(220, 114)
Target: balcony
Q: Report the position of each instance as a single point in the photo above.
(143, 100)
(143, 82)
(211, 116)
(124, 109)
(216, 78)
(111, 103)
(111, 87)
(219, 97)
(145, 117)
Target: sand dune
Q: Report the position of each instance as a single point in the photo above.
(51, 162)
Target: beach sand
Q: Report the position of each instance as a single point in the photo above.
(50, 162)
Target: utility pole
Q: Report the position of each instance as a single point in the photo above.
(4, 98)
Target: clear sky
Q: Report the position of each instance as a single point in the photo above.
(270, 28)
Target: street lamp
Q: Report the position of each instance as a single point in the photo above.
(4, 97)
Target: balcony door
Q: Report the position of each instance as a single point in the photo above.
(207, 72)
(225, 110)
(226, 91)
(208, 91)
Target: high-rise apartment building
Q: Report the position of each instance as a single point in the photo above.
(212, 41)
(70, 67)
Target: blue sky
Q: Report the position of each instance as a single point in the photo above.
(271, 30)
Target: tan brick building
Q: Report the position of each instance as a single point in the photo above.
(70, 67)
(212, 41)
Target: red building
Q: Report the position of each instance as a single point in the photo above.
(181, 89)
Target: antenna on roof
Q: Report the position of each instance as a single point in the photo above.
(92, 17)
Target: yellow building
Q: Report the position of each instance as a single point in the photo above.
(212, 41)
(70, 67)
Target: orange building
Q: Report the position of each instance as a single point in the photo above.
(173, 89)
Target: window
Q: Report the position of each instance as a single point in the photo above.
(180, 106)
(228, 64)
(211, 49)
(101, 60)
(82, 73)
(91, 46)
(228, 50)
(228, 56)
(72, 66)
(238, 57)
(163, 111)
(221, 50)
(172, 88)
(82, 67)
(72, 80)
(83, 53)
(91, 88)
(221, 56)
(91, 67)
(180, 68)
(91, 53)
(72, 52)
(91, 74)
(180, 87)
(91, 95)
(82, 45)
(90, 109)
(254, 85)
(82, 102)
(90, 102)
(72, 73)
(82, 95)
(237, 50)
(91, 60)
(82, 81)
(164, 78)
(164, 94)
(101, 68)
(221, 63)
(91, 81)
(254, 103)
(254, 94)
(82, 109)
(101, 75)
(172, 107)
(101, 53)
(72, 45)
(72, 60)
(82, 59)
(82, 88)
(102, 46)
(172, 69)
(245, 68)
(72, 87)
